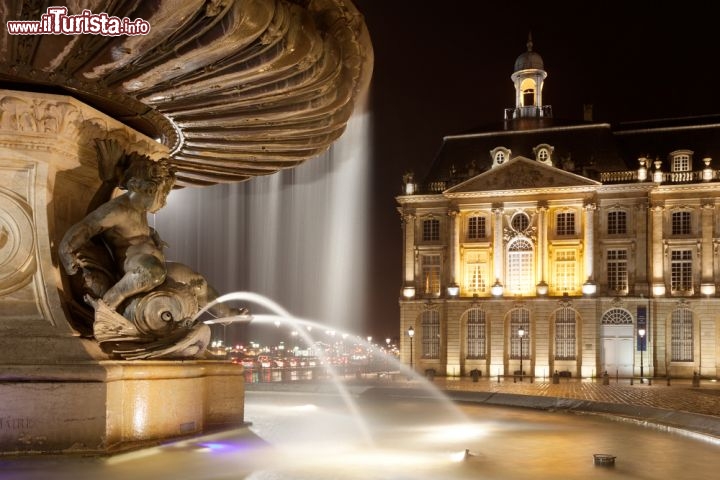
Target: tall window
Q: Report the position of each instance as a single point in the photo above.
(681, 335)
(476, 228)
(431, 274)
(520, 260)
(681, 223)
(476, 330)
(431, 230)
(681, 270)
(565, 223)
(519, 318)
(476, 273)
(565, 336)
(430, 325)
(565, 267)
(617, 223)
(617, 271)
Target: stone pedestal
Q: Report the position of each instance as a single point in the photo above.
(59, 391)
(110, 406)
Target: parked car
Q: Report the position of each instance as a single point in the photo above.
(249, 362)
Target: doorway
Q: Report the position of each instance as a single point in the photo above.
(617, 349)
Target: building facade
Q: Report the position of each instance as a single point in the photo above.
(580, 248)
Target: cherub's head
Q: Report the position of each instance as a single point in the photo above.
(151, 179)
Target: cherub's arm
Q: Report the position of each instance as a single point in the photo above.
(80, 234)
(159, 242)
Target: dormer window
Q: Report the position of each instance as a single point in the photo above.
(543, 153)
(681, 161)
(500, 155)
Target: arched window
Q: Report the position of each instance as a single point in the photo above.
(617, 316)
(527, 87)
(519, 319)
(681, 327)
(430, 325)
(520, 267)
(565, 334)
(476, 333)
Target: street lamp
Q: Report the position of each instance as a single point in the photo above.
(641, 332)
(521, 334)
(453, 289)
(411, 334)
(497, 288)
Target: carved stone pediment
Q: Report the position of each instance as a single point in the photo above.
(521, 173)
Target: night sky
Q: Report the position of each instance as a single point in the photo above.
(444, 68)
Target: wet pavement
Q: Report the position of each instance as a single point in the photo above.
(676, 405)
(680, 395)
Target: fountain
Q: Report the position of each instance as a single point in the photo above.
(183, 91)
(367, 430)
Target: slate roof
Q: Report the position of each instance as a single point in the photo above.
(583, 148)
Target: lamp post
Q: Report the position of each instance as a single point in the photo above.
(521, 334)
(641, 332)
(387, 354)
(411, 334)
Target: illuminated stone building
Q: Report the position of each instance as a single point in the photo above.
(576, 247)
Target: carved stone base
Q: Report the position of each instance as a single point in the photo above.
(60, 392)
(112, 406)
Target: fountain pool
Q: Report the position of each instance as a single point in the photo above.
(310, 433)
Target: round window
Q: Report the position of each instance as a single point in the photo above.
(520, 222)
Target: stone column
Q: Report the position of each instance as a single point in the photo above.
(542, 248)
(498, 251)
(408, 225)
(454, 253)
(658, 250)
(707, 282)
(589, 240)
(641, 249)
